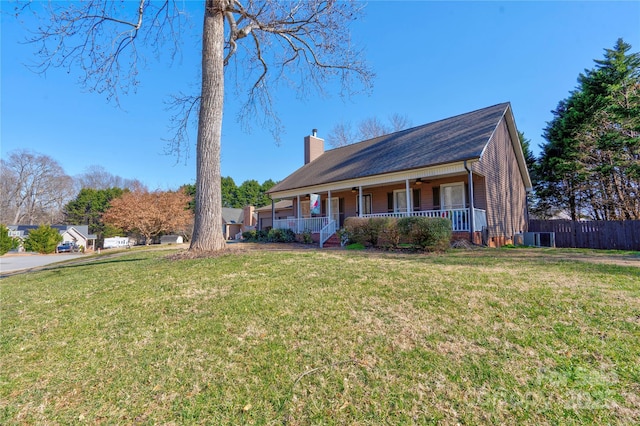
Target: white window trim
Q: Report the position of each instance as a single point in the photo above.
(404, 191)
(449, 185)
(364, 203)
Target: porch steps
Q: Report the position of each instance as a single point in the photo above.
(332, 242)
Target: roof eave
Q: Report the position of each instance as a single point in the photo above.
(434, 171)
(517, 148)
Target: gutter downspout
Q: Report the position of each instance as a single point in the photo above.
(472, 212)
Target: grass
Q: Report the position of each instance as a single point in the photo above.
(324, 337)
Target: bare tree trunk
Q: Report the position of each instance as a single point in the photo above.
(207, 232)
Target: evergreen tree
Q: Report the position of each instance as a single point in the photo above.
(6, 242)
(43, 240)
(87, 209)
(590, 165)
(248, 193)
(229, 192)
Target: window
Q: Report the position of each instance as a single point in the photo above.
(452, 196)
(305, 211)
(399, 201)
(417, 204)
(366, 204)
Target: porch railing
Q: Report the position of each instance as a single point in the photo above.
(459, 220)
(327, 232)
(311, 224)
(480, 217)
(459, 217)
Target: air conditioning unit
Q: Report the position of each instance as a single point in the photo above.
(536, 239)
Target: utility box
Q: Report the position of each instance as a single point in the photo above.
(538, 239)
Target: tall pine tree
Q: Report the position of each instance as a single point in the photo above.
(590, 164)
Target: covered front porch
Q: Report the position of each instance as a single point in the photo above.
(321, 211)
(460, 220)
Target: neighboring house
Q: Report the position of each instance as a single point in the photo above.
(469, 168)
(77, 234)
(236, 221)
(281, 210)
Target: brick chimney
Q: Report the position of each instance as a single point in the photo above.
(313, 147)
(248, 216)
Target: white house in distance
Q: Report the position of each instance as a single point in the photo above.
(76, 234)
(116, 242)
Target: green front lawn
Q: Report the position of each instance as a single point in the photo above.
(325, 337)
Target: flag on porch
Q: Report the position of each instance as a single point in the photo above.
(314, 203)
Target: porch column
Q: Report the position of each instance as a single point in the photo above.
(408, 192)
(472, 213)
(360, 201)
(298, 210)
(329, 206)
(273, 213)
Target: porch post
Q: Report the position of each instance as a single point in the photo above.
(298, 211)
(408, 193)
(360, 201)
(329, 206)
(472, 213)
(273, 213)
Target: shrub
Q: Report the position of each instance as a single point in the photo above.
(249, 236)
(306, 237)
(43, 240)
(281, 236)
(6, 242)
(262, 236)
(374, 229)
(355, 229)
(425, 232)
(390, 235)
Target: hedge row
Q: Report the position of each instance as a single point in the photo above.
(425, 233)
(271, 236)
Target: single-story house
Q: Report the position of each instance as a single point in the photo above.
(469, 168)
(280, 209)
(77, 234)
(236, 221)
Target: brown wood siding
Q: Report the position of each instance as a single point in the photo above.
(504, 190)
(479, 192)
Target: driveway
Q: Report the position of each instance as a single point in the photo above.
(12, 262)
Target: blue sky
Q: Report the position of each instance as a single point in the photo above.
(432, 60)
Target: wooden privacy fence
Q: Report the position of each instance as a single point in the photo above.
(595, 234)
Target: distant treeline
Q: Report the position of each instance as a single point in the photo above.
(250, 192)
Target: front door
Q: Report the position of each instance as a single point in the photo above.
(335, 209)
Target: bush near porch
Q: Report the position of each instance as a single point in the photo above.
(425, 233)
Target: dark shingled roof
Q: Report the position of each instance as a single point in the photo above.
(454, 139)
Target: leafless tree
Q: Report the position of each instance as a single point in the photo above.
(372, 127)
(35, 188)
(97, 177)
(399, 122)
(303, 43)
(341, 134)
